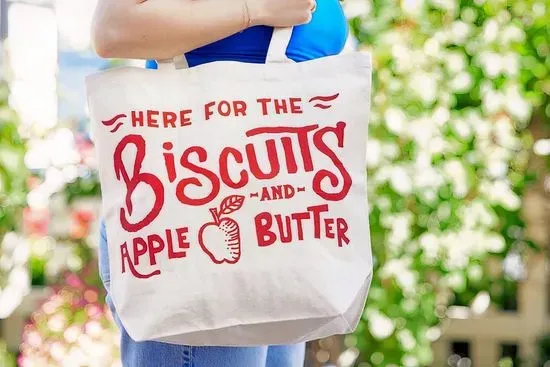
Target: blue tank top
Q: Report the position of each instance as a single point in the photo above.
(325, 35)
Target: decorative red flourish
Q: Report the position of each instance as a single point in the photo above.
(221, 239)
(114, 120)
(323, 106)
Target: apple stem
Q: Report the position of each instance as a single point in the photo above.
(215, 215)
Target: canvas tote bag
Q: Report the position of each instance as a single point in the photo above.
(234, 197)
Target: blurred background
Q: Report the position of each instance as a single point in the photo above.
(458, 164)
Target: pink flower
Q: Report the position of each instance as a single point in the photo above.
(93, 310)
(74, 281)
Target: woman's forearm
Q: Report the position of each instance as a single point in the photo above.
(163, 29)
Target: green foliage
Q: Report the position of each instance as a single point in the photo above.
(6, 358)
(13, 173)
(83, 187)
(535, 51)
(13, 190)
(454, 90)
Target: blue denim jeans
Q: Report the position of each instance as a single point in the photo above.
(156, 354)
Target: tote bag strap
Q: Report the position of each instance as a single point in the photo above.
(278, 45)
(276, 52)
(178, 62)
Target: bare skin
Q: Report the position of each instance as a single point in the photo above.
(163, 29)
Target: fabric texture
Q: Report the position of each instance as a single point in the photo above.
(324, 36)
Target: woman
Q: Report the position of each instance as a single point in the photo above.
(206, 31)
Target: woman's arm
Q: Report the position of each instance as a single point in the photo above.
(163, 29)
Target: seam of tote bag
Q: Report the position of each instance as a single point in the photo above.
(156, 338)
(104, 266)
(367, 278)
(246, 72)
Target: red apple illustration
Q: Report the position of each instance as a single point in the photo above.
(221, 239)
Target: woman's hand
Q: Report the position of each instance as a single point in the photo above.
(280, 13)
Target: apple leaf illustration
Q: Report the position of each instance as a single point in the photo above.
(231, 204)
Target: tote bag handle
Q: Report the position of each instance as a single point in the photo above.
(278, 45)
(276, 52)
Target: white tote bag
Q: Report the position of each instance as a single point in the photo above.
(234, 197)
